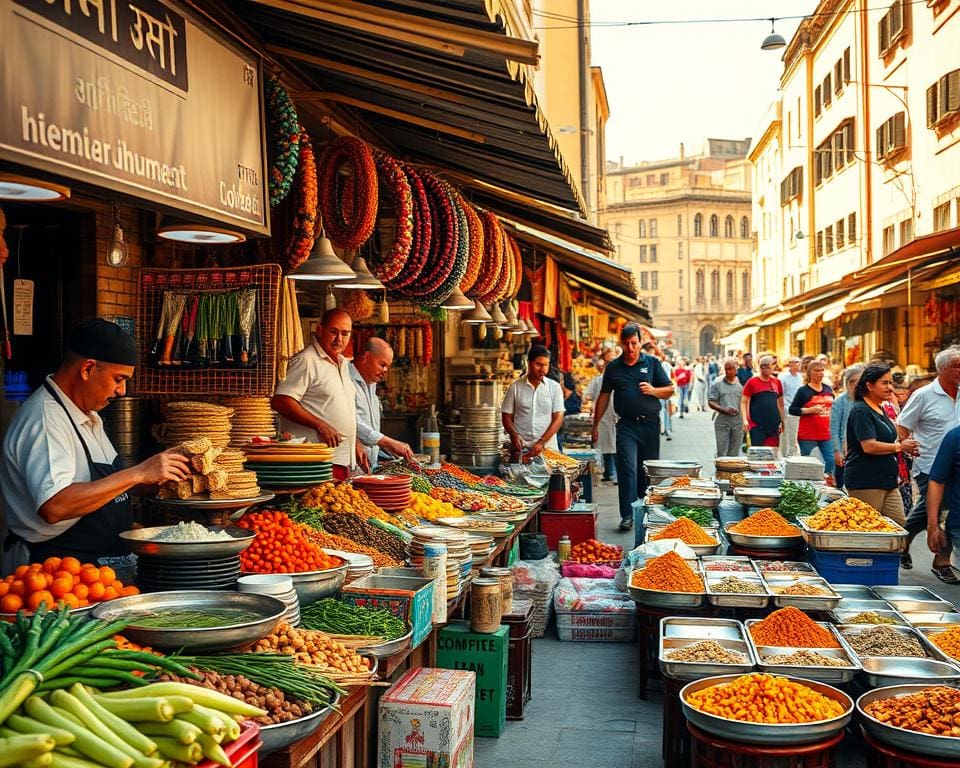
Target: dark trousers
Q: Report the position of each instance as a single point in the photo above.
(637, 441)
(609, 466)
(917, 517)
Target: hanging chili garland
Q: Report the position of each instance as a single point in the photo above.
(284, 128)
(475, 246)
(443, 246)
(422, 232)
(492, 255)
(460, 257)
(305, 197)
(358, 305)
(504, 276)
(348, 223)
(517, 273)
(394, 181)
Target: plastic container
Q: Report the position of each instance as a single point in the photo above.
(869, 568)
(244, 752)
(265, 583)
(596, 626)
(579, 524)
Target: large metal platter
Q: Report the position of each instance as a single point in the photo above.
(761, 542)
(757, 497)
(700, 628)
(734, 564)
(700, 549)
(733, 599)
(689, 498)
(935, 619)
(879, 671)
(854, 541)
(197, 640)
(672, 637)
(848, 604)
(140, 541)
(663, 468)
(658, 599)
(909, 741)
(923, 606)
(855, 591)
(784, 734)
(808, 672)
(213, 504)
(905, 592)
(927, 633)
(777, 581)
(281, 735)
(847, 631)
(797, 568)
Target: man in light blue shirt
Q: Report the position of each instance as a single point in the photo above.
(792, 380)
(370, 367)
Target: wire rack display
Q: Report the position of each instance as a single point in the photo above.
(258, 379)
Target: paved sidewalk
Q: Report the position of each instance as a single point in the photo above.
(585, 712)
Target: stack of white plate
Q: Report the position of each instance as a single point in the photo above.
(459, 554)
(358, 565)
(276, 585)
(480, 547)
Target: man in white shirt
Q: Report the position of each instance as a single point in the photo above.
(607, 433)
(927, 416)
(792, 380)
(370, 367)
(532, 409)
(317, 399)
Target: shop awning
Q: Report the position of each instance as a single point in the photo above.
(739, 335)
(443, 84)
(612, 301)
(777, 317)
(657, 333)
(915, 252)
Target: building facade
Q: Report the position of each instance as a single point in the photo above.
(856, 186)
(683, 226)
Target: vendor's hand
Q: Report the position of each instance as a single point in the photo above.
(746, 426)
(328, 434)
(595, 437)
(533, 451)
(936, 539)
(363, 461)
(168, 465)
(397, 448)
(838, 458)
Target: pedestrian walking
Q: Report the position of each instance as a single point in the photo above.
(683, 377)
(943, 531)
(792, 380)
(607, 434)
(811, 405)
(745, 371)
(761, 405)
(928, 415)
(666, 413)
(637, 382)
(701, 385)
(839, 412)
(725, 395)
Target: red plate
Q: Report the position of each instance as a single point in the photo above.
(381, 481)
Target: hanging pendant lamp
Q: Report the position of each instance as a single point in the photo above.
(323, 264)
(456, 301)
(364, 277)
(496, 315)
(773, 41)
(476, 316)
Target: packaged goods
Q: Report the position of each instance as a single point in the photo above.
(791, 628)
(760, 698)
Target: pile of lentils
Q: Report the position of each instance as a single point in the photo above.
(737, 586)
(884, 641)
(870, 617)
(805, 658)
(707, 651)
(359, 530)
(279, 708)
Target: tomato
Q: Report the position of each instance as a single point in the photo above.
(71, 564)
(43, 596)
(107, 575)
(51, 564)
(60, 588)
(11, 603)
(89, 574)
(35, 582)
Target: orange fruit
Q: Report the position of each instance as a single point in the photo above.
(43, 596)
(109, 593)
(35, 582)
(71, 564)
(130, 590)
(82, 591)
(107, 575)
(62, 574)
(18, 588)
(10, 603)
(22, 570)
(51, 564)
(4, 587)
(96, 592)
(70, 600)
(60, 588)
(83, 602)
(90, 574)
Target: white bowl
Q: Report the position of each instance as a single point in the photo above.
(277, 584)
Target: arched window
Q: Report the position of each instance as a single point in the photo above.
(744, 287)
(701, 287)
(714, 226)
(715, 285)
(730, 285)
(728, 227)
(744, 228)
(698, 225)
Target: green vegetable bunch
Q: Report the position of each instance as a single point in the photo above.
(699, 515)
(334, 617)
(797, 499)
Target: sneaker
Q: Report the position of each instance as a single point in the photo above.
(946, 574)
(668, 436)
(626, 525)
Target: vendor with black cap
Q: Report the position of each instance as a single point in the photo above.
(64, 487)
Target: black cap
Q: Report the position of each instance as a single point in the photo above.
(101, 340)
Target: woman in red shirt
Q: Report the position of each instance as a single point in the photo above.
(683, 375)
(812, 404)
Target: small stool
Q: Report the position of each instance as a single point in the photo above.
(713, 752)
(675, 749)
(884, 756)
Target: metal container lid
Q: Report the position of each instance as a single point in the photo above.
(492, 570)
(482, 582)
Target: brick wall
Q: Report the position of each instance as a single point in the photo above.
(116, 288)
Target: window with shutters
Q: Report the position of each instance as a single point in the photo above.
(943, 99)
(715, 286)
(729, 281)
(714, 225)
(698, 225)
(817, 107)
(906, 232)
(838, 77)
(680, 280)
(643, 281)
(651, 179)
(679, 224)
(744, 227)
(653, 253)
(653, 227)
(839, 151)
(641, 228)
(643, 254)
(852, 228)
(680, 302)
(828, 240)
(893, 26)
(654, 281)
(664, 179)
(700, 286)
(846, 65)
(838, 230)
(728, 227)
(892, 136)
(848, 141)
(827, 91)
(744, 287)
(819, 244)
(889, 240)
(680, 250)
(941, 217)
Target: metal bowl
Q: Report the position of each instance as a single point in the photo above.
(910, 741)
(280, 735)
(312, 586)
(658, 599)
(140, 542)
(387, 648)
(757, 497)
(196, 640)
(662, 468)
(761, 542)
(880, 671)
(762, 733)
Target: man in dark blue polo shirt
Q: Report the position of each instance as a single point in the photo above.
(640, 383)
(944, 483)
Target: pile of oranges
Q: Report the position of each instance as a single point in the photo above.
(60, 580)
(593, 551)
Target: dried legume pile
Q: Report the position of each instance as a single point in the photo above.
(869, 617)
(791, 628)
(802, 590)
(759, 698)
(948, 642)
(736, 586)
(358, 529)
(667, 573)
(782, 566)
(727, 565)
(688, 532)
(707, 651)
(884, 641)
(766, 522)
(805, 658)
(935, 711)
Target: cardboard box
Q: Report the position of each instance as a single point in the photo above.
(426, 720)
(486, 655)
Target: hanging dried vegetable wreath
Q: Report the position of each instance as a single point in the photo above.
(443, 245)
(460, 257)
(500, 287)
(517, 269)
(349, 209)
(394, 182)
(305, 199)
(422, 232)
(475, 244)
(492, 255)
(283, 126)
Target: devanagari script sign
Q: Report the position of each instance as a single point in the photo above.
(135, 97)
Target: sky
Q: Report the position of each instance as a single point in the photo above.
(685, 82)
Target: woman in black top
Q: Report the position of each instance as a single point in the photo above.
(872, 445)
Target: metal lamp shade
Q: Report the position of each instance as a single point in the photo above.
(476, 316)
(456, 301)
(323, 264)
(364, 277)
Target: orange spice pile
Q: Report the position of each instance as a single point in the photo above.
(792, 628)
(667, 573)
(687, 531)
(760, 698)
(948, 642)
(766, 522)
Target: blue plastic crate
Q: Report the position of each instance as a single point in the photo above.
(870, 568)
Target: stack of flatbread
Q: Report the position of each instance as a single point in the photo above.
(217, 472)
(252, 417)
(189, 420)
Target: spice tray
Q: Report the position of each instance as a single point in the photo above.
(700, 549)
(727, 564)
(676, 632)
(849, 631)
(778, 581)
(786, 567)
(855, 591)
(914, 742)
(783, 734)
(936, 619)
(928, 633)
(846, 604)
(842, 616)
(736, 599)
(854, 541)
(657, 599)
(824, 674)
(761, 542)
(879, 671)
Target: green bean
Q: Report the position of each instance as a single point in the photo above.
(339, 618)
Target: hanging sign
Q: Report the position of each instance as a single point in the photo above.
(137, 97)
(23, 307)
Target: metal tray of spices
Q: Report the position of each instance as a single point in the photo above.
(696, 497)
(879, 671)
(915, 742)
(792, 567)
(855, 591)
(761, 542)
(825, 674)
(737, 599)
(850, 631)
(927, 633)
(905, 592)
(777, 581)
(848, 604)
(658, 599)
(676, 632)
(923, 606)
(727, 564)
(854, 541)
(843, 615)
(932, 619)
(700, 549)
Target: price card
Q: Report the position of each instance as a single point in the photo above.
(23, 307)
